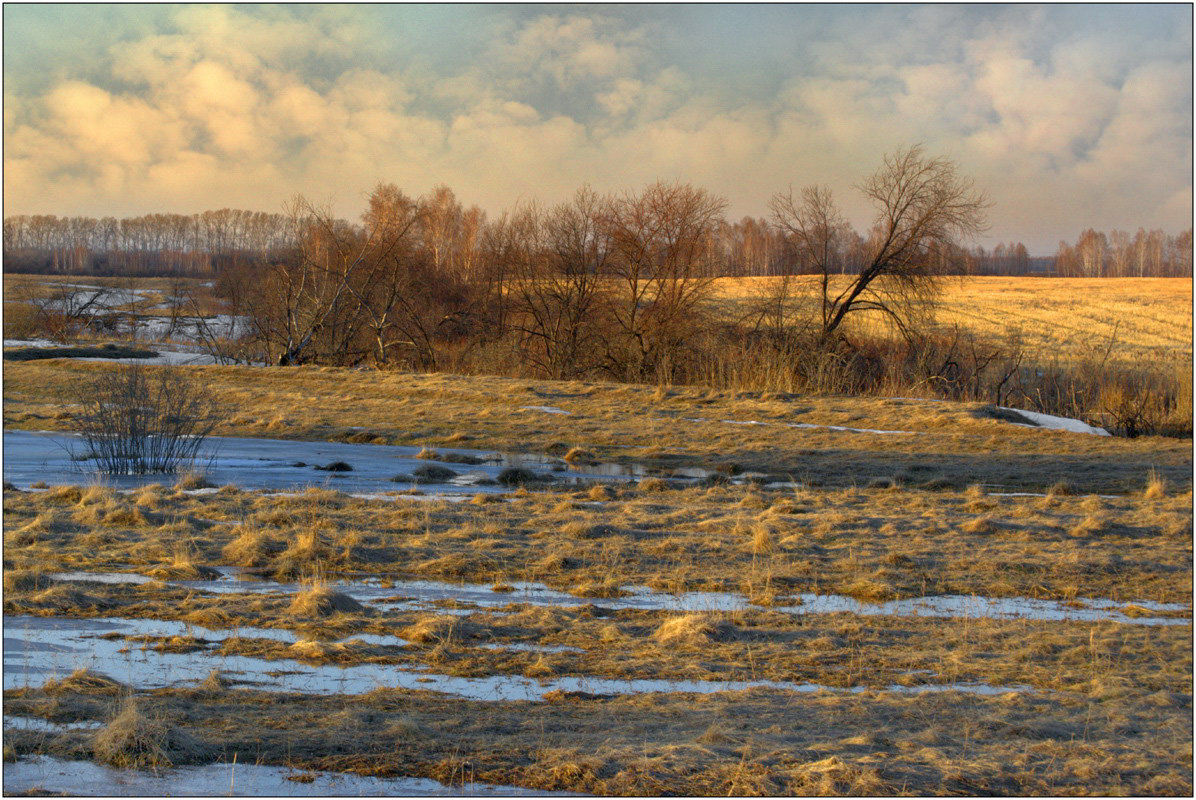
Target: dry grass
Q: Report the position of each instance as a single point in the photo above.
(318, 599)
(143, 741)
(1151, 318)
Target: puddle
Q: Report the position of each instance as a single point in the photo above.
(643, 598)
(76, 644)
(531, 648)
(547, 410)
(276, 464)
(421, 593)
(55, 776)
(20, 723)
(102, 577)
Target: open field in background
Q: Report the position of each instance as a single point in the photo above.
(1067, 318)
(879, 609)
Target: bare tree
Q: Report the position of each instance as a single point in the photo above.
(559, 291)
(923, 208)
(664, 257)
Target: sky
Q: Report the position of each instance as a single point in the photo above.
(1068, 116)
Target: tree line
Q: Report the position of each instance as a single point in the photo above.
(204, 244)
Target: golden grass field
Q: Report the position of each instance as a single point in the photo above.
(958, 503)
(1067, 317)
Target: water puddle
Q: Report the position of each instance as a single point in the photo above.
(20, 723)
(80, 643)
(421, 594)
(547, 410)
(44, 774)
(276, 464)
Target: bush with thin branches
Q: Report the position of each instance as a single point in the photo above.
(134, 420)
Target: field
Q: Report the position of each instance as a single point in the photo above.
(655, 590)
(1065, 318)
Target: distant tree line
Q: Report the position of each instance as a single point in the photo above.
(1151, 254)
(202, 245)
(151, 245)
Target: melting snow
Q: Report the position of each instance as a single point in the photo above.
(1051, 422)
(55, 776)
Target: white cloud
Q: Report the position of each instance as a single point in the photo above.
(233, 107)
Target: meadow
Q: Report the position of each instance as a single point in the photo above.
(741, 592)
(1065, 318)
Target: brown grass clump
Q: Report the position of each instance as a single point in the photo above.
(30, 533)
(84, 681)
(600, 493)
(579, 455)
(652, 485)
(690, 630)
(125, 517)
(1156, 487)
(190, 481)
(95, 495)
(150, 496)
(978, 525)
(321, 600)
(303, 556)
(485, 498)
(869, 590)
(25, 580)
(251, 548)
(134, 739)
(405, 730)
(604, 588)
(183, 566)
(1089, 525)
(430, 629)
(64, 494)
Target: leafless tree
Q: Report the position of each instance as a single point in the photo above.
(664, 258)
(560, 294)
(923, 208)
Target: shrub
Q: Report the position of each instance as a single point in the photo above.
(135, 421)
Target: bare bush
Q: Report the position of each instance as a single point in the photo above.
(135, 421)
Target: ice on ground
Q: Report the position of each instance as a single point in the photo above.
(1053, 423)
(418, 594)
(546, 410)
(20, 723)
(39, 648)
(275, 464)
(85, 778)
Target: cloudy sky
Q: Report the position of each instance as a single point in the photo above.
(1070, 116)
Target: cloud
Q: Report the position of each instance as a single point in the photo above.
(1066, 123)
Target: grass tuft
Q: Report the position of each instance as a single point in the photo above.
(321, 600)
(135, 739)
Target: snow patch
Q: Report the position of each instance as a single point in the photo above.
(1052, 423)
